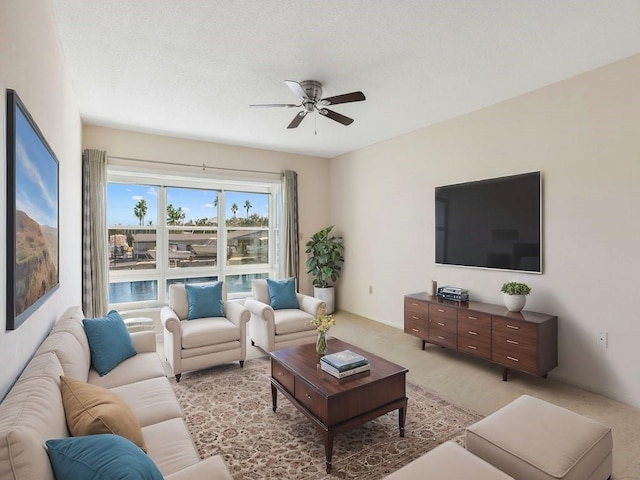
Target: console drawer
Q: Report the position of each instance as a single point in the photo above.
(441, 311)
(514, 328)
(419, 328)
(283, 376)
(474, 343)
(415, 307)
(514, 358)
(443, 332)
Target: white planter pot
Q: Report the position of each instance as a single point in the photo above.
(327, 295)
(514, 303)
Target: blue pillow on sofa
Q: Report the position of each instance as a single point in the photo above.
(109, 341)
(282, 293)
(105, 456)
(204, 300)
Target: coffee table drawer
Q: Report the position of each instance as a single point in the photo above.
(283, 376)
(311, 399)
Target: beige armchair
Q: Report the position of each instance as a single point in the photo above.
(275, 329)
(202, 342)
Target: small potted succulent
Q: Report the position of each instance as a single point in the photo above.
(514, 295)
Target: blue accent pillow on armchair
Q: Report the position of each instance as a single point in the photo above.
(104, 456)
(109, 341)
(282, 293)
(204, 301)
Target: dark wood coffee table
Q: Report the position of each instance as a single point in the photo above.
(337, 405)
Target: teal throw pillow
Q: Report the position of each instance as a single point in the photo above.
(204, 300)
(109, 341)
(104, 456)
(283, 293)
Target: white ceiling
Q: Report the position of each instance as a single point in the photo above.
(191, 69)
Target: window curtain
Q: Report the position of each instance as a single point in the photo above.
(290, 225)
(95, 279)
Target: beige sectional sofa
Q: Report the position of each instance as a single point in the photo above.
(33, 411)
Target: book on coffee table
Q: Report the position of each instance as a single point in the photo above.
(346, 373)
(344, 360)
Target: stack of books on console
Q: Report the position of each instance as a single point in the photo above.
(344, 364)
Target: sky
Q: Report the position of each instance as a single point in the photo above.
(36, 175)
(122, 198)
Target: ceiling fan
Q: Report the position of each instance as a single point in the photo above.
(309, 93)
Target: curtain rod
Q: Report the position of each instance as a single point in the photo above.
(203, 166)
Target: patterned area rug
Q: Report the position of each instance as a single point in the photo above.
(228, 411)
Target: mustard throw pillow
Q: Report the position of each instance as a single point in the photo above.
(91, 409)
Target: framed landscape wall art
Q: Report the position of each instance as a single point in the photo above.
(32, 215)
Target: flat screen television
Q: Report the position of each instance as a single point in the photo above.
(494, 223)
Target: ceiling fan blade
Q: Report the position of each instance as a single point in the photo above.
(269, 105)
(297, 119)
(297, 89)
(336, 116)
(345, 98)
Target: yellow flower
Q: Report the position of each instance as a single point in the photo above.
(323, 323)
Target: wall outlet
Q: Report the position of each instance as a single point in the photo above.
(370, 290)
(603, 338)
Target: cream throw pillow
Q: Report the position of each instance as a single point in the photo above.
(91, 409)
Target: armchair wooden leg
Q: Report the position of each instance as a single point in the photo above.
(241, 363)
(178, 375)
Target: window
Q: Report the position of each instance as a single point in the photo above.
(164, 230)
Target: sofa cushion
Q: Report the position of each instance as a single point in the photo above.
(31, 413)
(260, 290)
(134, 369)
(290, 321)
(151, 400)
(108, 457)
(74, 355)
(204, 300)
(208, 331)
(170, 445)
(282, 294)
(90, 410)
(109, 341)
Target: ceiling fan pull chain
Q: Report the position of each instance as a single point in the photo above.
(315, 122)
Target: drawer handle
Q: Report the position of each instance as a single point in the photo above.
(515, 327)
(415, 304)
(472, 318)
(414, 317)
(472, 347)
(471, 332)
(440, 337)
(513, 359)
(281, 373)
(440, 310)
(308, 396)
(441, 324)
(513, 342)
(415, 329)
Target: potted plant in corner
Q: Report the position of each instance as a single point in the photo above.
(514, 295)
(325, 264)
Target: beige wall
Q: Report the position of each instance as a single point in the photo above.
(313, 172)
(583, 135)
(32, 64)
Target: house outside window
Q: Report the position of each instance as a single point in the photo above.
(164, 230)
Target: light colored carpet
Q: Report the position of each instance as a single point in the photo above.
(228, 412)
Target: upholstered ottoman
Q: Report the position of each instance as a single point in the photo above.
(531, 439)
(449, 461)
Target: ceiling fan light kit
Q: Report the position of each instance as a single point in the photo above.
(309, 93)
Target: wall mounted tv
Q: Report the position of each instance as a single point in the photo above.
(494, 223)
